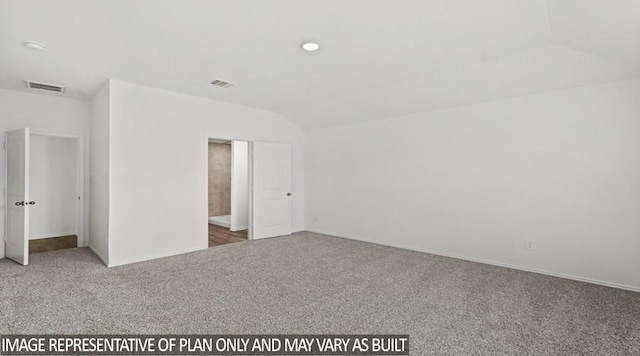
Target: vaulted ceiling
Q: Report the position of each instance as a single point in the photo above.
(378, 58)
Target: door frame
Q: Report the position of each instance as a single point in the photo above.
(81, 216)
(209, 138)
(250, 182)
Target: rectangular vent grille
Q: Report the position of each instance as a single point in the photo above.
(222, 83)
(44, 86)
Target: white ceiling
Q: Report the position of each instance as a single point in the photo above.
(378, 58)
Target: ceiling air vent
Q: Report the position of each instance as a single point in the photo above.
(222, 83)
(44, 86)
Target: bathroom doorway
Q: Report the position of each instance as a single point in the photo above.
(228, 191)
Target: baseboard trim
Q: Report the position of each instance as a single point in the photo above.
(55, 234)
(104, 260)
(478, 260)
(239, 228)
(143, 259)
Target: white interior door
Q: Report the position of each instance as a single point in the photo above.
(17, 196)
(271, 189)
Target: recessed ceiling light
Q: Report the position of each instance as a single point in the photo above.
(310, 46)
(34, 45)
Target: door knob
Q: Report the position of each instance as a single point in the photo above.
(25, 203)
(288, 194)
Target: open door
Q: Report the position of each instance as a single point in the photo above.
(271, 189)
(17, 196)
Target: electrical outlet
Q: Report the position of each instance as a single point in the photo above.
(529, 245)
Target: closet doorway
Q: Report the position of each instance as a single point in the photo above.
(228, 191)
(44, 187)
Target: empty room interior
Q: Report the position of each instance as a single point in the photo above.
(464, 175)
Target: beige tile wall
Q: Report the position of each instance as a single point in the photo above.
(219, 179)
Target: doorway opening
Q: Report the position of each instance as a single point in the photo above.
(228, 191)
(249, 193)
(54, 181)
(44, 187)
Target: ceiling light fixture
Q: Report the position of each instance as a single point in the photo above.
(310, 46)
(34, 45)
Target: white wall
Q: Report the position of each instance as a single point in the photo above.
(158, 167)
(239, 185)
(41, 113)
(52, 185)
(561, 168)
(100, 162)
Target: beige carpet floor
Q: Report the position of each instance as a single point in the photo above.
(310, 283)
